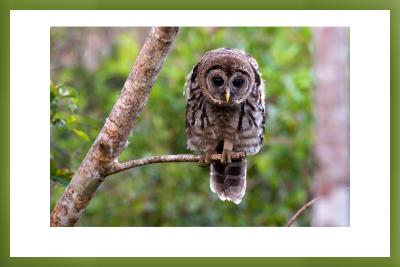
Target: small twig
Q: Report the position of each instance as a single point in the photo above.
(300, 211)
(119, 167)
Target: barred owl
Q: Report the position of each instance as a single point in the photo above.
(225, 112)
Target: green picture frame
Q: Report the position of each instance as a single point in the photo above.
(6, 6)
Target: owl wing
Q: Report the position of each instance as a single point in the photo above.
(195, 101)
(251, 126)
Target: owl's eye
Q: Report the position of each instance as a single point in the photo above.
(217, 81)
(238, 81)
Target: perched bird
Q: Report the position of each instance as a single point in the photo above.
(225, 112)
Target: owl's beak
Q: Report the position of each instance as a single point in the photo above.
(227, 95)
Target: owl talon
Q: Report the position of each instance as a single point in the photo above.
(205, 158)
(226, 156)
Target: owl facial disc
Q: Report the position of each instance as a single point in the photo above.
(226, 76)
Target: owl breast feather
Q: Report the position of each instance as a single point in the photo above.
(207, 124)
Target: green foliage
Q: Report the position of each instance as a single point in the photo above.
(63, 101)
(178, 194)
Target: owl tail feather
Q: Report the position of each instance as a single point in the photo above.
(229, 181)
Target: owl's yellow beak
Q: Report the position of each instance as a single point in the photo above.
(227, 96)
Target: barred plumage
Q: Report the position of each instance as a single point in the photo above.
(225, 112)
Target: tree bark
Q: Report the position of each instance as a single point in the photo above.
(331, 106)
(114, 135)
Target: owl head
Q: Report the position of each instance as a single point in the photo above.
(226, 76)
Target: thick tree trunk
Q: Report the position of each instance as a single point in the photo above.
(331, 106)
(113, 138)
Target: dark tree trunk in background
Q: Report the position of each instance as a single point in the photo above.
(331, 109)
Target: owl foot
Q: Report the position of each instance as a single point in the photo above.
(205, 158)
(226, 156)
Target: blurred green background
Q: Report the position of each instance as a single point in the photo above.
(88, 69)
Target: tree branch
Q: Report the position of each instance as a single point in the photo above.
(119, 167)
(114, 135)
(300, 211)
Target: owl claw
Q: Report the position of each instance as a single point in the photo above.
(226, 156)
(205, 158)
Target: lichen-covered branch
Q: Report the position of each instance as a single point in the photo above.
(113, 137)
(119, 167)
